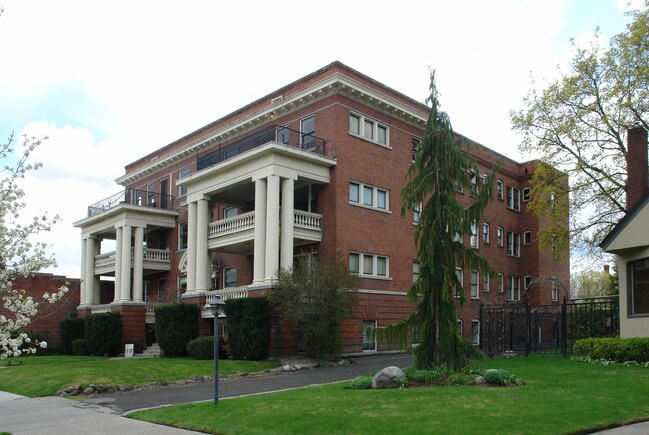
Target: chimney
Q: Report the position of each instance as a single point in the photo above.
(637, 179)
(607, 269)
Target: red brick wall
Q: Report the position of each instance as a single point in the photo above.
(637, 166)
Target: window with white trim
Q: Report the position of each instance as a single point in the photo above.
(527, 238)
(475, 284)
(474, 235)
(182, 236)
(501, 283)
(307, 133)
(473, 178)
(229, 277)
(513, 288)
(555, 291)
(527, 282)
(183, 173)
(527, 194)
(499, 189)
(369, 265)
(513, 198)
(460, 329)
(513, 244)
(485, 232)
(370, 129)
(150, 194)
(475, 332)
(499, 234)
(415, 271)
(485, 281)
(416, 213)
(229, 212)
(368, 196)
(415, 145)
(459, 275)
(369, 335)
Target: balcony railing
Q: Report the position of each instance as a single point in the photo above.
(133, 197)
(226, 293)
(273, 133)
(308, 220)
(246, 221)
(155, 255)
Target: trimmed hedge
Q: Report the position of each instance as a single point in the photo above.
(71, 329)
(104, 333)
(613, 349)
(248, 328)
(79, 347)
(201, 348)
(175, 326)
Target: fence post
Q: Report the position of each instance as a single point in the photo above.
(481, 330)
(527, 328)
(564, 326)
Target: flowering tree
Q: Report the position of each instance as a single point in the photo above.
(19, 255)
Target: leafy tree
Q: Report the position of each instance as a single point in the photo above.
(440, 166)
(592, 283)
(19, 255)
(314, 298)
(578, 125)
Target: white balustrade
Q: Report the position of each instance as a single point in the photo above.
(226, 293)
(232, 225)
(305, 219)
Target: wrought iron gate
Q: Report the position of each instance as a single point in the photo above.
(522, 328)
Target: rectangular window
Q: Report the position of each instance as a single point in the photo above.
(460, 327)
(474, 234)
(485, 282)
(415, 271)
(485, 232)
(150, 195)
(184, 172)
(373, 197)
(368, 265)
(499, 189)
(513, 198)
(370, 129)
(459, 284)
(164, 193)
(416, 213)
(307, 133)
(513, 288)
(555, 291)
(473, 178)
(501, 287)
(415, 146)
(527, 238)
(638, 287)
(229, 212)
(475, 283)
(283, 135)
(475, 332)
(229, 277)
(182, 283)
(182, 236)
(527, 282)
(513, 244)
(527, 194)
(500, 236)
(369, 335)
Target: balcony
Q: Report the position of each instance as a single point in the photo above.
(154, 259)
(133, 197)
(273, 133)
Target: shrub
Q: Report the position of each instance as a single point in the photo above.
(497, 376)
(613, 349)
(361, 383)
(79, 347)
(248, 328)
(104, 333)
(201, 348)
(460, 379)
(175, 326)
(71, 329)
(423, 376)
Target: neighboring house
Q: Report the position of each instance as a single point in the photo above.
(311, 169)
(629, 240)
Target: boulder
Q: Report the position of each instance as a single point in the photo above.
(389, 377)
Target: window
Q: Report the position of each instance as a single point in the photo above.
(368, 265)
(182, 283)
(513, 244)
(460, 282)
(475, 332)
(458, 235)
(184, 172)
(373, 197)
(307, 132)
(485, 282)
(474, 234)
(415, 145)
(527, 194)
(500, 236)
(513, 288)
(499, 189)
(164, 193)
(182, 235)
(513, 198)
(283, 135)
(458, 186)
(229, 277)
(416, 213)
(475, 283)
(527, 282)
(638, 287)
(555, 291)
(229, 212)
(485, 232)
(460, 327)
(527, 238)
(501, 287)
(369, 335)
(371, 130)
(150, 194)
(415, 271)
(473, 178)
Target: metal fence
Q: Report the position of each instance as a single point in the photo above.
(522, 328)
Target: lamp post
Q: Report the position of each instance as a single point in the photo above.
(216, 305)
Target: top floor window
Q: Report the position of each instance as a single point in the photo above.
(474, 182)
(527, 194)
(513, 198)
(415, 145)
(183, 173)
(307, 132)
(499, 189)
(369, 129)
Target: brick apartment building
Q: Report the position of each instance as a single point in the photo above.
(313, 168)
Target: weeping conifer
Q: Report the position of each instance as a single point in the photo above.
(439, 168)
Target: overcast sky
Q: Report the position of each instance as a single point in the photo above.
(108, 82)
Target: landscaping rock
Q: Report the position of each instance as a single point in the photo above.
(123, 388)
(389, 377)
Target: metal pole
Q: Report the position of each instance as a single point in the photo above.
(216, 358)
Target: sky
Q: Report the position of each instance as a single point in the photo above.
(108, 82)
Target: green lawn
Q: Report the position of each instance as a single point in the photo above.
(36, 376)
(561, 396)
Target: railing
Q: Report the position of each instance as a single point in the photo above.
(273, 133)
(105, 259)
(156, 255)
(226, 293)
(305, 219)
(133, 197)
(232, 225)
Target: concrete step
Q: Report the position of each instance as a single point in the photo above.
(152, 351)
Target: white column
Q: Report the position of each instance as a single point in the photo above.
(138, 264)
(202, 260)
(259, 260)
(191, 246)
(82, 292)
(118, 263)
(272, 229)
(125, 285)
(286, 241)
(90, 269)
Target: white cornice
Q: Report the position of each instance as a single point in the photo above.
(335, 83)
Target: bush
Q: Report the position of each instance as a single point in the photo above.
(248, 328)
(497, 376)
(361, 383)
(71, 329)
(201, 348)
(175, 326)
(613, 349)
(79, 347)
(104, 333)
